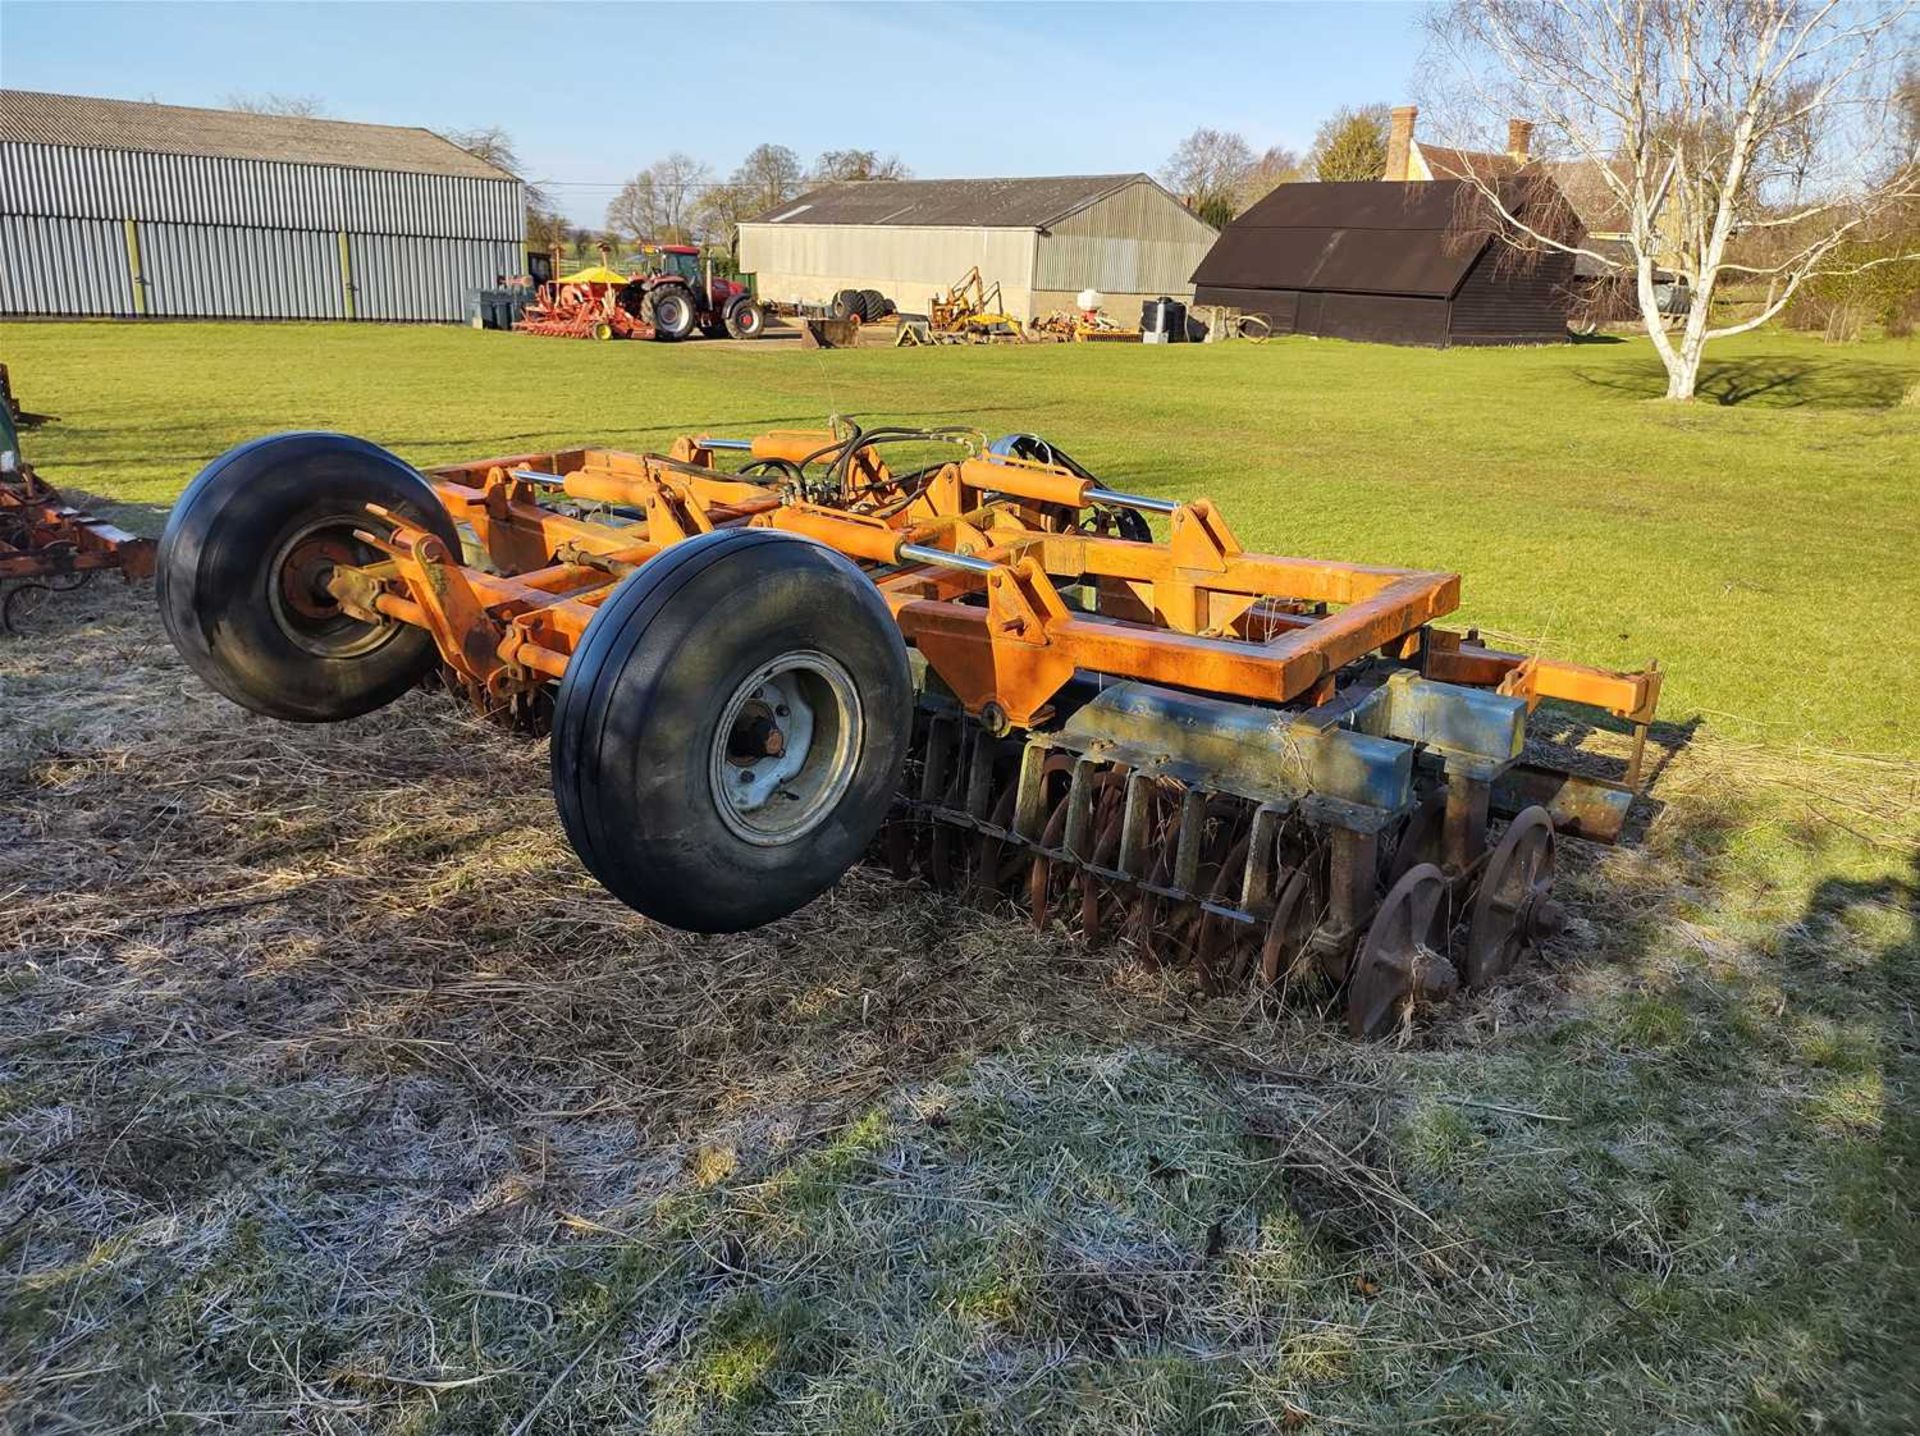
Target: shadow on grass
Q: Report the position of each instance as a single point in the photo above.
(1772, 383)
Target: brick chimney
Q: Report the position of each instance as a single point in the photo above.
(1520, 140)
(1400, 141)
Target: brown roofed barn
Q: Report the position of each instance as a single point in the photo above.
(1390, 263)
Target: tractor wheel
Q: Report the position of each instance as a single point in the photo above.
(729, 732)
(674, 314)
(847, 304)
(873, 305)
(242, 568)
(746, 320)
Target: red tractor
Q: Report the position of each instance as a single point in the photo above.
(675, 298)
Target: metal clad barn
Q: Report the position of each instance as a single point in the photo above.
(1042, 239)
(1391, 263)
(114, 208)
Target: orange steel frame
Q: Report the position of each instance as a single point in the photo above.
(1198, 611)
(61, 539)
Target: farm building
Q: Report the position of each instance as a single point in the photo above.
(1043, 240)
(1392, 263)
(1602, 283)
(114, 208)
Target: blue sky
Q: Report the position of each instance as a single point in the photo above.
(954, 89)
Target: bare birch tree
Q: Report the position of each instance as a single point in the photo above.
(1707, 122)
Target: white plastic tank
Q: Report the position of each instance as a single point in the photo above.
(1088, 300)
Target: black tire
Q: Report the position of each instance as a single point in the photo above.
(648, 725)
(240, 564)
(745, 319)
(873, 305)
(672, 312)
(847, 304)
(632, 297)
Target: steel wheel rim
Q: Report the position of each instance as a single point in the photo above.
(1401, 954)
(768, 795)
(1517, 882)
(309, 618)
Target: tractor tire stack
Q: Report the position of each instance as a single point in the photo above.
(867, 305)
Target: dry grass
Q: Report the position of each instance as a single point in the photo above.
(335, 1097)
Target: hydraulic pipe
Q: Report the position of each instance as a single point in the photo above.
(1054, 486)
(872, 542)
(1132, 501)
(920, 553)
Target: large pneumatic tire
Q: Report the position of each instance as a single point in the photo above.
(242, 568)
(847, 304)
(730, 731)
(674, 313)
(745, 319)
(873, 305)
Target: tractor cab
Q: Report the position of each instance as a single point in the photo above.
(682, 260)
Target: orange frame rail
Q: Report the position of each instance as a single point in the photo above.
(976, 564)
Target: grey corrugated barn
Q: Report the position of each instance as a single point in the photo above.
(114, 208)
(1042, 239)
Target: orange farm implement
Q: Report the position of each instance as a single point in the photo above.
(583, 308)
(764, 659)
(45, 543)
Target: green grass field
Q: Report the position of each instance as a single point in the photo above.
(1759, 544)
(335, 1097)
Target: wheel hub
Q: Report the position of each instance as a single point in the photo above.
(304, 575)
(300, 595)
(785, 748)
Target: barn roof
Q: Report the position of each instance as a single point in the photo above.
(1031, 202)
(79, 121)
(1363, 237)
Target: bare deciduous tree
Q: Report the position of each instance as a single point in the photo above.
(836, 165)
(1707, 122)
(661, 202)
(1277, 166)
(1210, 170)
(299, 107)
(770, 175)
(546, 227)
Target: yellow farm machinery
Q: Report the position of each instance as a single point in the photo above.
(969, 311)
(765, 659)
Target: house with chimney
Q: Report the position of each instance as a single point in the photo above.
(1420, 258)
(1409, 159)
(1600, 287)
